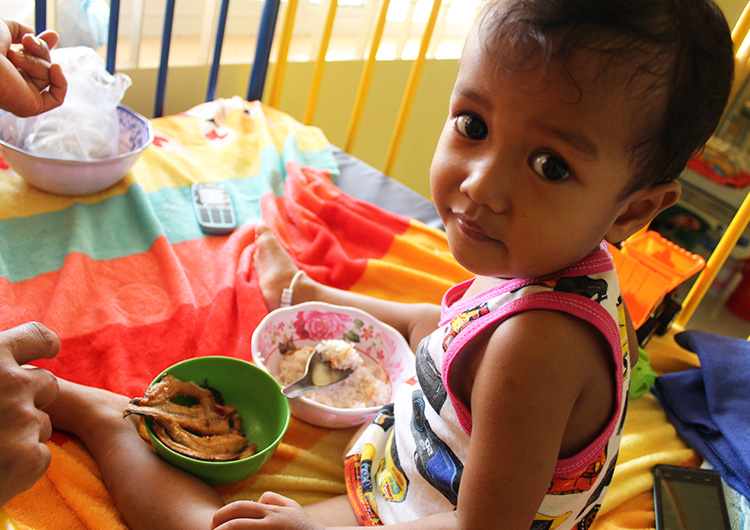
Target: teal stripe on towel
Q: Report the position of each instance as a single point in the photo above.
(130, 223)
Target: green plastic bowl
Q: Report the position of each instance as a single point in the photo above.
(261, 405)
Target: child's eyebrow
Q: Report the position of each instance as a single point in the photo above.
(469, 93)
(578, 141)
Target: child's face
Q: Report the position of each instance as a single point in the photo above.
(529, 171)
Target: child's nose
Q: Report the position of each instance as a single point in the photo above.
(488, 184)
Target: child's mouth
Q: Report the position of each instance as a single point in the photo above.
(471, 230)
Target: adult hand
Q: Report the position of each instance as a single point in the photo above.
(29, 83)
(24, 391)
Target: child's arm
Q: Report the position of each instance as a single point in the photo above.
(413, 321)
(537, 395)
(276, 269)
(29, 83)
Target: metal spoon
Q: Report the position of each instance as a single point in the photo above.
(319, 373)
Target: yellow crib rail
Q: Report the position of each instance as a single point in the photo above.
(317, 78)
(365, 81)
(714, 263)
(411, 91)
(285, 39)
(742, 217)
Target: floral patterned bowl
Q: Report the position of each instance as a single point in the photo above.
(309, 323)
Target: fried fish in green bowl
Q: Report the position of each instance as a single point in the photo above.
(218, 418)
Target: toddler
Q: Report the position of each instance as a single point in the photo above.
(568, 124)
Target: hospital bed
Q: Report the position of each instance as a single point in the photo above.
(132, 285)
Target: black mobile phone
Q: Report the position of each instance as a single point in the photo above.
(213, 208)
(689, 498)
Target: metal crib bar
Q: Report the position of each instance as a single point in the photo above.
(263, 49)
(215, 62)
(410, 92)
(40, 15)
(317, 77)
(715, 261)
(166, 39)
(114, 20)
(365, 80)
(283, 52)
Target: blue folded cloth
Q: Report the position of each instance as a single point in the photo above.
(710, 406)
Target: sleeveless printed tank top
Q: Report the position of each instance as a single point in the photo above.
(408, 462)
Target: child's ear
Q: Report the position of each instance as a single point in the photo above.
(641, 207)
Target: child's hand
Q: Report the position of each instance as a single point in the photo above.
(29, 83)
(271, 511)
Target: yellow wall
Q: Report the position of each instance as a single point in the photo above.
(732, 9)
(186, 87)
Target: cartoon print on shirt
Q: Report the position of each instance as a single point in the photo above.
(429, 378)
(604, 483)
(571, 501)
(548, 522)
(391, 479)
(461, 320)
(593, 288)
(384, 417)
(622, 323)
(435, 461)
(622, 420)
(580, 482)
(586, 522)
(365, 470)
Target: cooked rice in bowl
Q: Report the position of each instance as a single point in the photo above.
(308, 324)
(367, 386)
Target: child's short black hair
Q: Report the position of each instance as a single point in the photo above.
(684, 45)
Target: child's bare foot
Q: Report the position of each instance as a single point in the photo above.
(274, 267)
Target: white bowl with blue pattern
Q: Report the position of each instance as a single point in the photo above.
(80, 177)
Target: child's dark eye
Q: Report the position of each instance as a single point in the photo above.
(549, 167)
(471, 126)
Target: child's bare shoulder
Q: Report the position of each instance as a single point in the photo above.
(554, 369)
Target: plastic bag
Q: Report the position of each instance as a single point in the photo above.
(85, 126)
(82, 22)
(78, 22)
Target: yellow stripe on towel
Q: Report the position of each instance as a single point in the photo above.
(648, 439)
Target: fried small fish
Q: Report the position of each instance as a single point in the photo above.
(206, 430)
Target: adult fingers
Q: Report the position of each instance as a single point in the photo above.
(35, 46)
(32, 68)
(24, 471)
(45, 427)
(58, 86)
(50, 37)
(45, 385)
(17, 29)
(29, 342)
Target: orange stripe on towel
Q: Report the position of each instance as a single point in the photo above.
(418, 262)
(86, 295)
